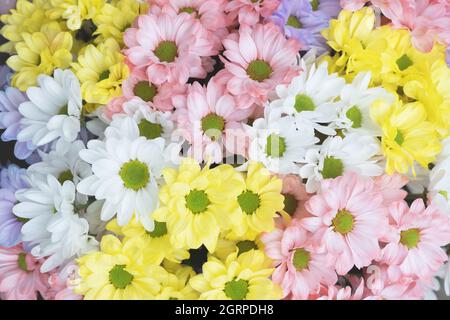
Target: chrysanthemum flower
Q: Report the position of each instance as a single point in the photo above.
(75, 12)
(416, 237)
(209, 121)
(169, 47)
(194, 202)
(117, 272)
(251, 11)
(12, 178)
(176, 285)
(259, 58)
(300, 268)
(156, 96)
(295, 196)
(407, 136)
(304, 20)
(25, 17)
(54, 109)
(62, 283)
(348, 220)
(124, 175)
(101, 70)
(156, 244)
(243, 277)
(20, 276)
(40, 53)
(256, 204)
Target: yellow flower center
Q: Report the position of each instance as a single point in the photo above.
(166, 51)
(259, 70)
(145, 90)
(135, 175)
(119, 277)
(343, 222)
(236, 289)
(301, 259)
(197, 201)
(410, 238)
(249, 202)
(149, 129)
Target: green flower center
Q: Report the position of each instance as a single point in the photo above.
(332, 168)
(301, 259)
(294, 22)
(166, 51)
(236, 289)
(249, 202)
(404, 62)
(135, 175)
(290, 204)
(104, 75)
(213, 125)
(444, 194)
(22, 262)
(190, 10)
(246, 245)
(197, 201)
(149, 129)
(159, 231)
(354, 114)
(119, 277)
(315, 4)
(276, 146)
(64, 110)
(399, 138)
(410, 238)
(343, 222)
(259, 70)
(65, 176)
(145, 90)
(304, 103)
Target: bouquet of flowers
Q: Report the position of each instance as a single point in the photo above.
(225, 149)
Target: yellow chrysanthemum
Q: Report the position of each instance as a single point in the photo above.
(194, 203)
(176, 286)
(257, 202)
(114, 18)
(226, 247)
(118, 272)
(40, 53)
(156, 244)
(101, 70)
(407, 136)
(75, 12)
(243, 277)
(27, 17)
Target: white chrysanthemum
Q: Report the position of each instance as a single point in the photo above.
(140, 120)
(280, 144)
(312, 96)
(356, 100)
(439, 186)
(53, 229)
(125, 174)
(53, 111)
(354, 152)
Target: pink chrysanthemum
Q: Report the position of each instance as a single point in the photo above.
(428, 20)
(168, 47)
(209, 121)
(250, 11)
(416, 236)
(300, 268)
(20, 278)
(342, 293)
(259, 58)
(295, 196)
(390, 187)
(348, 219)
(211, 15)
(62, 284)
